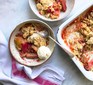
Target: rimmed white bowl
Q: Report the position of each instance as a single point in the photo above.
(14, 52)
(69, 3)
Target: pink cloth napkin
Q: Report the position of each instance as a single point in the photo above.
(13, 73)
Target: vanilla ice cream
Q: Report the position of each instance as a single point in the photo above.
(43, 52)
(32, 37)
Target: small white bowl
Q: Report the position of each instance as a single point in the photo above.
(14, 52)
(69, 3)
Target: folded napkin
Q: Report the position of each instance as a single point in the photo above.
(13, 73)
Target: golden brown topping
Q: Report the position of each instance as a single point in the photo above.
(47, 2)
(90, 41)
(39, 6)
(86, 31)
(51, 8)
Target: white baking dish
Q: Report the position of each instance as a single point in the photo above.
(87, 74)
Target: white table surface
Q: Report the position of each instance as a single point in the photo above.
(14, 11)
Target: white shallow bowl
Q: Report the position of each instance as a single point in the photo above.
(87, 74)
(69, 3)
(14, 52)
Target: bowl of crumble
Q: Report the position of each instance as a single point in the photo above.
(27, 46)
(51, 10)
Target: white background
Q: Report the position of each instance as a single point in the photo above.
(13, 12)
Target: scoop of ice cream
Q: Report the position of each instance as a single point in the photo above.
(32, 37)
(43, 52)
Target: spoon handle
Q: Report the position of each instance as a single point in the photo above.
(69, 53)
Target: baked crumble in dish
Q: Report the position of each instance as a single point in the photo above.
(78, 36)
(28, 41)
(51, 8)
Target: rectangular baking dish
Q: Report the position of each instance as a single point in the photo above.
(87, 74)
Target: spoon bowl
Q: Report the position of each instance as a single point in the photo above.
(44, 34)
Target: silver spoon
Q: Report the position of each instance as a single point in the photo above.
(45, 35)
